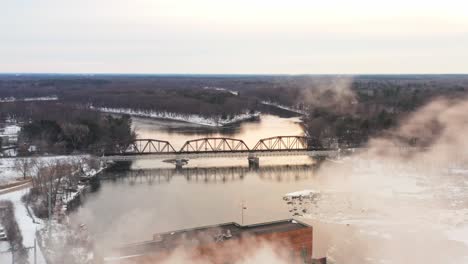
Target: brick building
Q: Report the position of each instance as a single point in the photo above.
(225, 243)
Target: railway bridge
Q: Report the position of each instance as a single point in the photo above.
(216, 147)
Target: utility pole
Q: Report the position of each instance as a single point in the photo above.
(243, 207)
(12, 253)
(35, 251)
(49, 207)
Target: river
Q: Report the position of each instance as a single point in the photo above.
(152, 197)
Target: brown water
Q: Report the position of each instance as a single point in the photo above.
(152, 197)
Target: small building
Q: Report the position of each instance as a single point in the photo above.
(224, 243)
(9, 134)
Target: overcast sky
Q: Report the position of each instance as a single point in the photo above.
(238, 36)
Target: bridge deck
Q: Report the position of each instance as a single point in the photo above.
(218, 154)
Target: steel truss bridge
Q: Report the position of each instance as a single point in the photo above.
(216, 147)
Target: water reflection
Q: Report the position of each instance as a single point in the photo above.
(250, 131)
(273, 115)
(212, 175)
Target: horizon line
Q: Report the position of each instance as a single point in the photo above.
(223, 74)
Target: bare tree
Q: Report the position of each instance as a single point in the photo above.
(25, 166)
(76, 134)
(51, 181)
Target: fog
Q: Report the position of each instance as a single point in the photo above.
(392, 203)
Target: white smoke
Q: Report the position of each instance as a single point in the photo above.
(333, 93)
(401, 203)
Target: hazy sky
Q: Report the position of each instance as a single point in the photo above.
(239, 36)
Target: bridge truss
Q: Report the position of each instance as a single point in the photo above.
(214, 145)
(218, 147)
(282, 143)
(149, 146)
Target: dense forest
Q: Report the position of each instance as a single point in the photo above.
(176, 94)
(343, 110)
(54, 127)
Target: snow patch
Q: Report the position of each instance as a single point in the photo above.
(28, 99)
(236, 93)
(10, 130)
(304, 193)
(284, 107)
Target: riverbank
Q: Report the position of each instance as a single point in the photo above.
(9, 173)
(61, 239)
(284, 107)
(188, 118)
(55, 239)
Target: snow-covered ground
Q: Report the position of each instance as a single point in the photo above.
(27, 227)
(190, 118)
(284, 107)
(8, 173)
(29, 99)
(221, 90)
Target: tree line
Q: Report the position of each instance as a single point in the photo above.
(55, 127)
(343, 110)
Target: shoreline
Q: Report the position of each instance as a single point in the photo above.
(284, 107)
(185, 118)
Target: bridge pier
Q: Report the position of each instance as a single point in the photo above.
(254, 162)
(179, 163)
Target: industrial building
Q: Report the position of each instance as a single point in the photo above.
(224, 243)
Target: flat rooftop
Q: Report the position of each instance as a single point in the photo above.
(235, 229)
(209, 234)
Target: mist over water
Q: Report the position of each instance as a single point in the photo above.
(400, 204)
